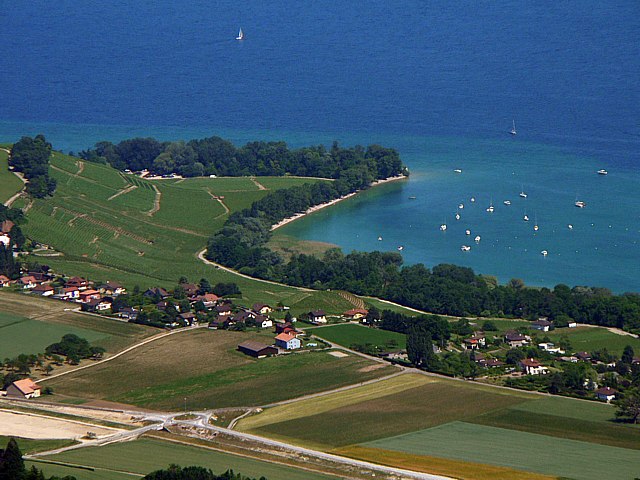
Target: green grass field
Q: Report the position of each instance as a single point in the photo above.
(212, 374)
(595, 338)
(29, 324)
(519, 450)
(10, 184)
(107, 226)
(147, 455)
(349, 334)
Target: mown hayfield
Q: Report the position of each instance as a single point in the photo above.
(434, 403)
(331, 401)
(350, 334)
(147, 455)
(61, 471)
(518, 450)
(438, 466)
(10, 184)
(589, 339)
(204, 367)
(106, 230)
(28, 324)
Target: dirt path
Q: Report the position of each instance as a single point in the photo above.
(219, 200)
(126, 350)
(617, 331)
(258, 184)
(200, 255)
(156, 202)
(10, 201)
(80, 165)
(122, 192)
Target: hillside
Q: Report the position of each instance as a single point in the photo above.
(106, 225)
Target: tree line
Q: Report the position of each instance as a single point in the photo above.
(217, 156)
(30, 156)
(444, 289)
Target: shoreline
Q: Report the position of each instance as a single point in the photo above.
(320, 206)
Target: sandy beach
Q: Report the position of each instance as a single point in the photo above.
(315, 208)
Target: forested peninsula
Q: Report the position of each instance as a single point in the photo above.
(443, 289)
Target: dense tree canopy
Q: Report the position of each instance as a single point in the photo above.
(216, 156)
(31, 157)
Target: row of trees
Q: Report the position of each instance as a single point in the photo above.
(216, 156)
(31, 157)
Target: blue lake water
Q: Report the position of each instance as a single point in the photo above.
(440, 81)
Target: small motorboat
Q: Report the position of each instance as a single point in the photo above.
(457, 170)
(465, 248)
(602, 172)
(477, 239)
(507, 202)
(544, 253)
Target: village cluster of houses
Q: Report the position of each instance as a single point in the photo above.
(76, 289)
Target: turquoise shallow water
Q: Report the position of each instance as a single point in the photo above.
(601, 249)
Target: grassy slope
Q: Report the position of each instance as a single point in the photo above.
(510, 448)
(146, 455)
(212, 374)
(9, 182)
(590, 338)
(107, 237)
(348, 334)
(28, 324)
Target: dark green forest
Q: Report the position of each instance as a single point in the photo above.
(216, 156)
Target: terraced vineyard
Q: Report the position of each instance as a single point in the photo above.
(107, 225)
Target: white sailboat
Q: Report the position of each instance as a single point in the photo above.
(522, 194)
(513, 129)
(490, 208)
(535, 224)
(240, 35)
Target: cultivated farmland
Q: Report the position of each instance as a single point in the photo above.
(146, 455)
(204, 367)
(518, 450)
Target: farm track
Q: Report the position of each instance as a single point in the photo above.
(156, 202)
(10, 201)
(219, 200)
(122, 192)
(126, 350)
(201, 257)
(258, 184)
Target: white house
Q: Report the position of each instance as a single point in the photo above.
(531, 366)
(542, 324)
(28, 282)
(572, 324)
(606, 394)
(6, 239)
(264, 322)
(288, 341)
(44, 290)
(317, 316)
(550, 347)
(4, 281)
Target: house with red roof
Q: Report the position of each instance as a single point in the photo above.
(25, 388)
(288, 341)
(355, 313)
(44, 290)
(4, 281)
(531, 366)
(28, 282)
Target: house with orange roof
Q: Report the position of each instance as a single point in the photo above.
(28, 282)
(89, 294)
(288, 341)
(25, 388)
(531, 366)
(355, 313)
(4, 281)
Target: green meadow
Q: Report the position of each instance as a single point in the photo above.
(348, 334)
(589, 339)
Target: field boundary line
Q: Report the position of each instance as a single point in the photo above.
(126, 350)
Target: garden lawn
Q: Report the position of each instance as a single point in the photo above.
(518, 450)
(349, 334)
(147, 455)
(204, 366)
(588, 339)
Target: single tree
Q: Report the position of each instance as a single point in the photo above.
(629, 405)
(11, 463)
